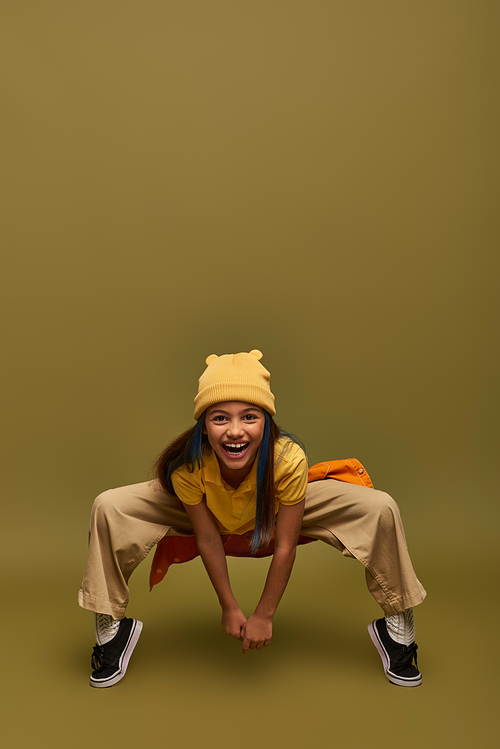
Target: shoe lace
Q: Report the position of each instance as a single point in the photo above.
(97, 657)
(406, 657)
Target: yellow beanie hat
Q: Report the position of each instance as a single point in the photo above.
(234, 377)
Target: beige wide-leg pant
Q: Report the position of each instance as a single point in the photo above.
(360, 522)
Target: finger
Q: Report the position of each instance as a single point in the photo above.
(267, 642)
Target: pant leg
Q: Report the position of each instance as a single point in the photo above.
(125, 524)
(365, 524)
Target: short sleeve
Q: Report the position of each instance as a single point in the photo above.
(290, 474)
(187, 486)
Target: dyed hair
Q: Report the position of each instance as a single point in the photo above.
(188, 450)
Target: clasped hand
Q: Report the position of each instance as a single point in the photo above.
(254, 632)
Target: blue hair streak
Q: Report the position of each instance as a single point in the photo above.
(192, 456)
(261, 467)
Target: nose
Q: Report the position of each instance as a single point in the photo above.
(234, 429)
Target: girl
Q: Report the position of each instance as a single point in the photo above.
(236, 475)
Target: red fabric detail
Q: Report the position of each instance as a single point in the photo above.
(179, 549)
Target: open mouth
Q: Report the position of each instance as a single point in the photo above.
(235, 449)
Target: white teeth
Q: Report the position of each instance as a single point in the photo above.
(235, 444)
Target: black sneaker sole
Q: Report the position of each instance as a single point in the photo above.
(135, 633)
(393, 678)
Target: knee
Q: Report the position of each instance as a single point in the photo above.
(104, 500)
(385, 509)
(383, 501)
(105, 505)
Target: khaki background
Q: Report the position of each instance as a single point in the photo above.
(317, 180)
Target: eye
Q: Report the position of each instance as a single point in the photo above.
(219, 418)
(250, 417)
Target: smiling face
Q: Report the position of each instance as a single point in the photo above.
(234, 430)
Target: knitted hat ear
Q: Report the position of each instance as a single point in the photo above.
(210, 359)
(258, 354)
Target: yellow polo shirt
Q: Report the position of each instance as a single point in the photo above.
(234, 509)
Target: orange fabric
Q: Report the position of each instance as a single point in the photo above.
(349, 470)
(179, 549)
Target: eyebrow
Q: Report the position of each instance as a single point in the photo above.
(244, 411)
